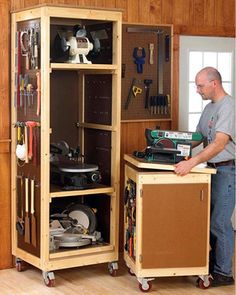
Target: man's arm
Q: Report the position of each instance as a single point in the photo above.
(182, 168)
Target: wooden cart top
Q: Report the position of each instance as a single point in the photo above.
(144, 164)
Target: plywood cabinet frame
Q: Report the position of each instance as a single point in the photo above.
(51, 261)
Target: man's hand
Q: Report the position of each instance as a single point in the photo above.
(182, 168)
(221, 139)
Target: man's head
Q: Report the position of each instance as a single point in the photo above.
(209, 84)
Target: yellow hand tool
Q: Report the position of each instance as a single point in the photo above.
(136, 90)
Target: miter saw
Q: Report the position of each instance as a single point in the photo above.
(74, 227)
(168, 146)
(67, 169)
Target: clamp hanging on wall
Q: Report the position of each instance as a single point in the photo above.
(139, 59)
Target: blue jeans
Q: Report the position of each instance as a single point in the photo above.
(221, 230)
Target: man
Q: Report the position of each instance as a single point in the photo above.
(217, 125)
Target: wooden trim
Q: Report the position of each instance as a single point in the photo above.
(205, 31)
(141, 163)
(5, 146)
(146, 120)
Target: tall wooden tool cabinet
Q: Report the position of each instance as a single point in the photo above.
(76, 103)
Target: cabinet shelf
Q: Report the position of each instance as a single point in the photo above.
(97, 126)
(85, 250)
(100, 189)
(96, 67)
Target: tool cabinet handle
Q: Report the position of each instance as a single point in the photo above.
(201, 195)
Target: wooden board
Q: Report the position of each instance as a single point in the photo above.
(141, 163)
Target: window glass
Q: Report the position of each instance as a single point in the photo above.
(195, 63)
(204, 103)
(193, 121)
(228, 87)
(210, 59)
(224, 65)
(195, 100)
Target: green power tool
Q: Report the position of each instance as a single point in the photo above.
(169, 146)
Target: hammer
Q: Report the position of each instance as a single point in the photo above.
(31, 125)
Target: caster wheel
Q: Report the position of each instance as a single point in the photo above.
(49, 279)
(50, 283)
(113, 272)
(113, 268)
(145, 287)
(19, 265)
(131, 272)
(204, 284)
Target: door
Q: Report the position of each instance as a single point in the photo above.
(174, 225)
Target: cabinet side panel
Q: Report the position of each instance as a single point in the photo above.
(174, 225)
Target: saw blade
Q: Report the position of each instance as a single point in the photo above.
(71, 240)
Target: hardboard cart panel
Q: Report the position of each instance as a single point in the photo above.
(146, 72)
(27, 130)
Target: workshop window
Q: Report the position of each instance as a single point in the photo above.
(196, 53)
(198, 60)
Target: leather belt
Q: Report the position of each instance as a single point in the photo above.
(224, 163)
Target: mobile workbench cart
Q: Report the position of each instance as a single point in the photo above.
(66, 80)
(166, 221)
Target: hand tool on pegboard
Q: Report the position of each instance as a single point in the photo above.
(130, 94)
(38, 90)
(136, 90)
(151, 52)
(35, 145)
(139, 55)
(25, 81)
(25, 49)
(26, 143)
(20, 214)
(133, 91)
(27, 219)
(147, 83)
(18, 68)
(31, 125)
(160, 57)
(16, 72)
(32, 211)
(36, 48)
(167, 48)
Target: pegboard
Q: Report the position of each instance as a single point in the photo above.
(159, 72)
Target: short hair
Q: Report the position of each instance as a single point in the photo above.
(212, 74)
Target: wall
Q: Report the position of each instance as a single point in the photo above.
(189, 17)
